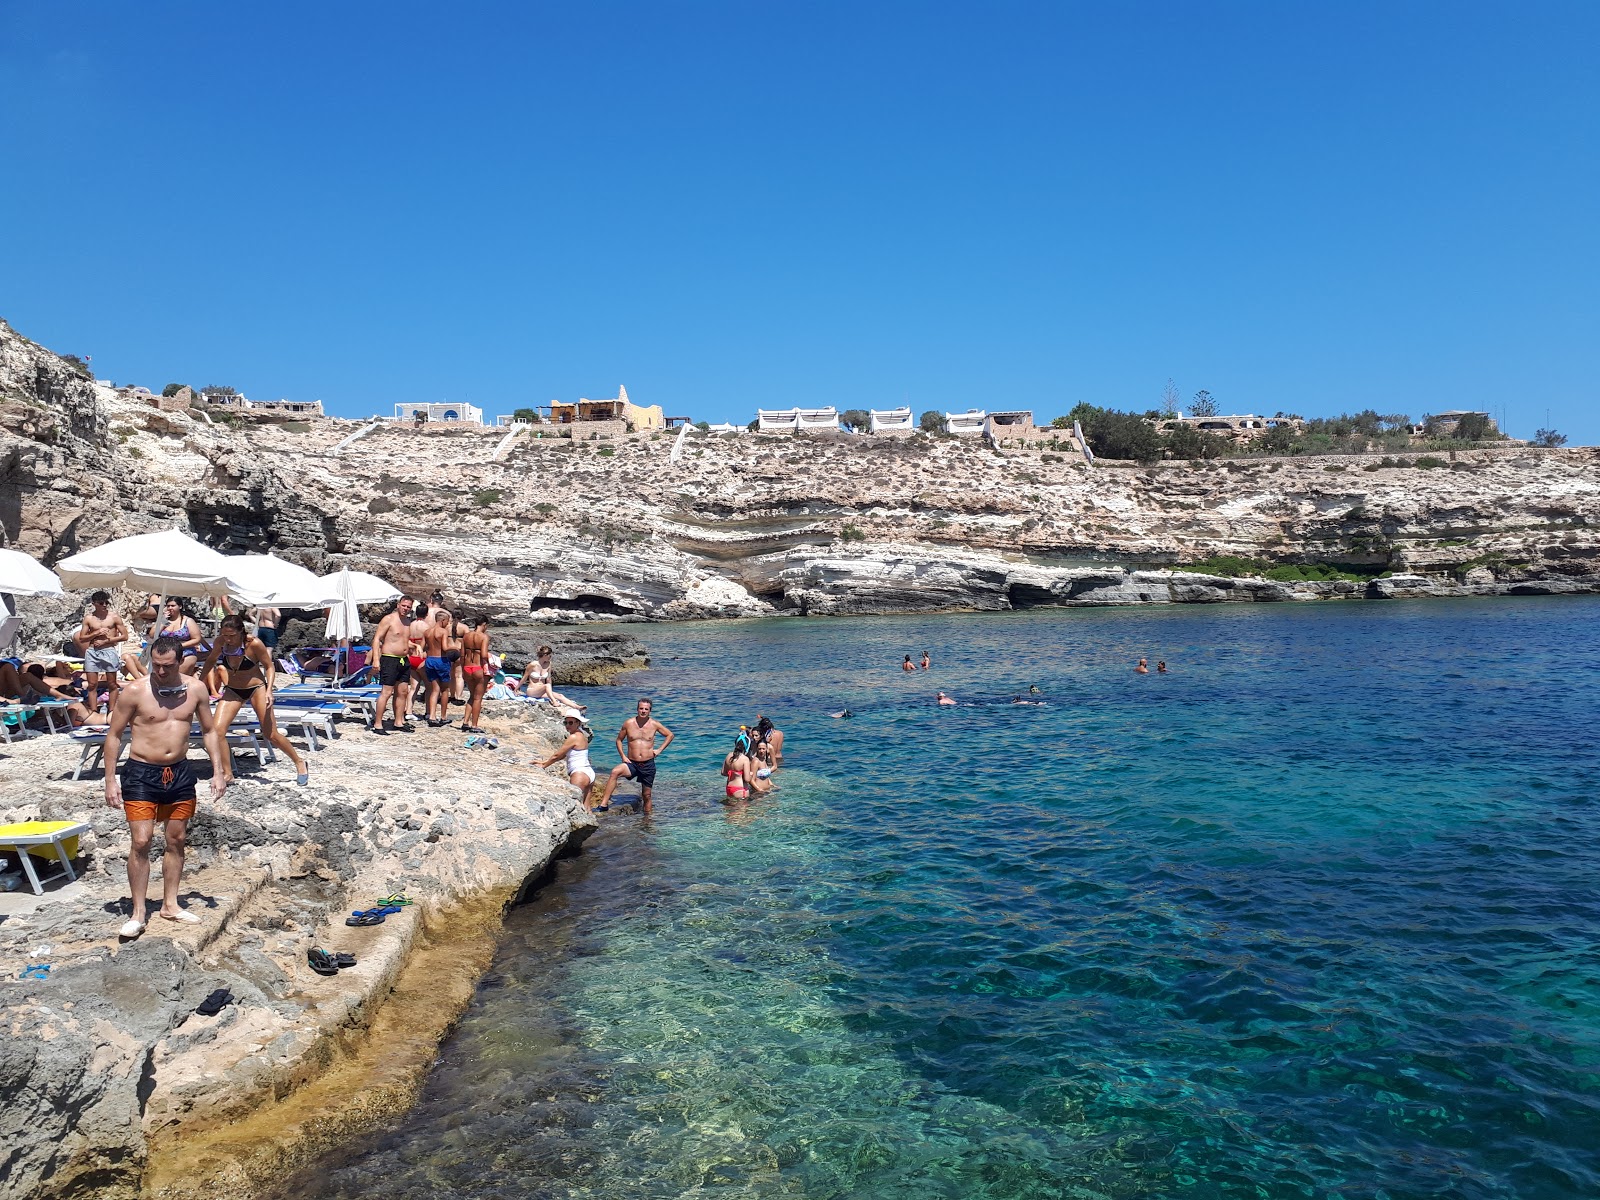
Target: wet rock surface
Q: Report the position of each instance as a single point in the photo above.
(106, 1055)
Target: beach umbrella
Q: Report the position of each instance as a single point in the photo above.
(10, 623)
(267, 579)
(170, 562)
(344, 617)
(366, 589)
(20, 575)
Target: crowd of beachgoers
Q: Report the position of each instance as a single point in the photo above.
(143, 682)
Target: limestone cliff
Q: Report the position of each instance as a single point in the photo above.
(744, 525)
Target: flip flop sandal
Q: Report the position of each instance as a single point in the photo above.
(344, 960)
(321, 962)
(363, 919)
(37, 971)
(398, 898)
(214, 1003)
(388, 910)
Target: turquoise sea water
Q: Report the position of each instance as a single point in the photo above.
(1315, 915)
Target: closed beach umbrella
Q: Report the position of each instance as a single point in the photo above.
(366, 589)
(168, 562)
(266, 579)
(344, 618)
(20, 575)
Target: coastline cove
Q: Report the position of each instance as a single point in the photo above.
(1312, 914)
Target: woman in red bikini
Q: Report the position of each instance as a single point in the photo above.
(736, 768)
(475, 670)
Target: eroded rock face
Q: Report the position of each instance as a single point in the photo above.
(549, 529)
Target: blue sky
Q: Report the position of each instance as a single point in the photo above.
(1308, 208)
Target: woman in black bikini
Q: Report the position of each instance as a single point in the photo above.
(248, 664)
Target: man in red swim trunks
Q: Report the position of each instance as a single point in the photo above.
(158, 782)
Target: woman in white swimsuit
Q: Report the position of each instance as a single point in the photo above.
(580, 772)
(536, 683)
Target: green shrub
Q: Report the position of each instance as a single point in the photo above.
(1233, 566)
(486, 496)
(607, 451)
(1428, 461)
(544, 510)
(852, 533)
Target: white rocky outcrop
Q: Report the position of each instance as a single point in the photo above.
(743, 525)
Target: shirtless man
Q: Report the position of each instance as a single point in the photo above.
(99, 637)
(436, 666)
(1142, 668)
(908, 665)
(943, 701)
(636, 744)
(415, 655)
(390, 640)
(158, 783)
(475, 668)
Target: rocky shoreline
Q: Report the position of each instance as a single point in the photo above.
(116, 1086)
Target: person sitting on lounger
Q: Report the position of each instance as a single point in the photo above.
(29, 686)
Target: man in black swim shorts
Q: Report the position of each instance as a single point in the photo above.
(636, 746)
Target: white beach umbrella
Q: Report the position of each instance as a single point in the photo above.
(20, 575)
(169, 562)
(366, 589)
(344, 618)
(10, 623)
(268, 579)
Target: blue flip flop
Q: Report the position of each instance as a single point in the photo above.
(360, 919)
(37, 971)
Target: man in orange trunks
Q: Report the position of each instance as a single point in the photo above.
(158, 782)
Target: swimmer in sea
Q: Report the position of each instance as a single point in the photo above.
(1141, 669)
(736, 768)
(944, 701)
(842, 714)
(1033, 689)
(926, 661)
(908, 665)
(1161, 667)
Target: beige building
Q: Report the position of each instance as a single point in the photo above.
(607, 416)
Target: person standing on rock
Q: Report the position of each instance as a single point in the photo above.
(458, 673)
(416, 655)
(390, 641)
(250, 673)
(100, 638)
(267, 626)
(158, 782)
(636, 745)
(475, 668)
(580, 771)
(436, 641)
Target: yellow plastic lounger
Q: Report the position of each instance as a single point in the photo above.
(44, 838)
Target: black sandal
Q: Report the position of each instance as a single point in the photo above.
(321, 962)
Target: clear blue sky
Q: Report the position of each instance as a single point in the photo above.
(1301, 207)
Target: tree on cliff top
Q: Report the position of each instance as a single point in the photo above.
(1550, 438)
(172, 389)
(858, 419)
(1169, 400)
(1113, 434)
(1203, 405)
(931, 422)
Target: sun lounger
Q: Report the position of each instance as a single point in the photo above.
(92, 742)
(15, 717)
(307, 714)
(60, 836)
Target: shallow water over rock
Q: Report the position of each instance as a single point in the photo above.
(1314, 914)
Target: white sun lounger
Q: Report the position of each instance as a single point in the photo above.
(93, 743)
